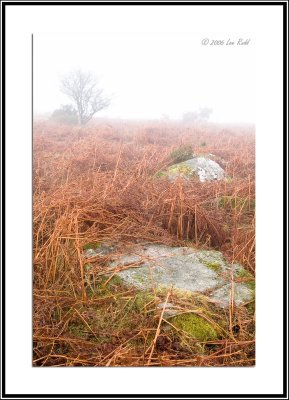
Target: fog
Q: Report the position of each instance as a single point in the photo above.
(149, 75)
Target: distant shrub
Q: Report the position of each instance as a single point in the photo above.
(181, 154)
(67, 114)
(202, 115)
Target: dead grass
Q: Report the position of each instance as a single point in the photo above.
(98, 185)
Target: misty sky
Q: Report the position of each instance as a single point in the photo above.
(149, 75)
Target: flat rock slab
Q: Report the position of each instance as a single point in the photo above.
(201, 167)
(185, 269)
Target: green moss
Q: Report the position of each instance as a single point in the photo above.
(181, 169)
(251, 285)
(212, 260)
(142, 299)
(115, 281)
(195, 326)
(92, 246)
(215, 266)
(243, 273)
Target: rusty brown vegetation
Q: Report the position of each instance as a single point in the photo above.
(100, 184)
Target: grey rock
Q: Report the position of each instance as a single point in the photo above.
(201, 167)
(185, 269)
(222, 296)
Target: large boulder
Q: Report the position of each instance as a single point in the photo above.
(186, 270)
(203, 168)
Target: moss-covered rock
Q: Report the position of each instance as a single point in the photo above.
(213, 260)
(185, 269)
(201, 168)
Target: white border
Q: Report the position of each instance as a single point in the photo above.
(266, 377)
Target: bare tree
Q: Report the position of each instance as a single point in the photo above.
(82, 89)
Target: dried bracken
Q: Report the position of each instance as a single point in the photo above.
(99, 184)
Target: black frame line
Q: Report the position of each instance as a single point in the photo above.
(145, 3)
(284, 5)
